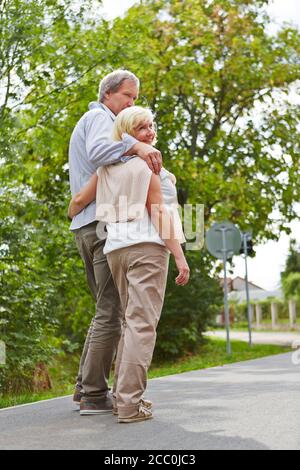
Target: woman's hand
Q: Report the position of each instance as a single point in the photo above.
(84, 197)
(70, 210)
(184, 271)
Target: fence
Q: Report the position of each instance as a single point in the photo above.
(271, 312)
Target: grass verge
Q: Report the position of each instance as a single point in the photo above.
(211, 354)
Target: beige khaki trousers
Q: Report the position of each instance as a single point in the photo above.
(140, 275)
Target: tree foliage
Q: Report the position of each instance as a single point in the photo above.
(220, 86)
(39, 263)
(290, 277)
(291, 286)
(292, 264)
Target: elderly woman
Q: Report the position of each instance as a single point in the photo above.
(143, 227)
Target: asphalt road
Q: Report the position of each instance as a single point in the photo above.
(247, 405)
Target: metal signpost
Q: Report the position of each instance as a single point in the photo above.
(247, 236)
(223, 240)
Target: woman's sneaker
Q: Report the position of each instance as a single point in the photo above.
(142, 415)
(146, 404)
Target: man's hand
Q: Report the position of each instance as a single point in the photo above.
(149, 154)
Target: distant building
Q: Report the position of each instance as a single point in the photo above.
(239, 284)
(237, 290)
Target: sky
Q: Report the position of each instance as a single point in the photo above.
(264, 270)
(281, 10)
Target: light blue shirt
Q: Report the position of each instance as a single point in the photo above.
(91, 146)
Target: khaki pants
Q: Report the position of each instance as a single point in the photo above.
(105, 329)
(140, 274)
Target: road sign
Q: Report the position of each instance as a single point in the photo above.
(223, 241)
(214, 240)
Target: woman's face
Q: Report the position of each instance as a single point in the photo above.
(145, 132)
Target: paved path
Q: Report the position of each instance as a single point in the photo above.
(247, 405)
(260, 337)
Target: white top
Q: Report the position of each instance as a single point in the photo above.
(123, 234)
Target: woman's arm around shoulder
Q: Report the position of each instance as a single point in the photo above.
(84, 197)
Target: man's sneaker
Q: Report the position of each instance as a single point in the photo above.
(145, 403)
(142, 415)
(77, 396)
(95, 406)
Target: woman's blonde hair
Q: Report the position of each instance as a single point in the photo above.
(128, 120)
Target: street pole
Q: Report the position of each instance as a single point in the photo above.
(227, 318)
(223, 240)
(245, 236)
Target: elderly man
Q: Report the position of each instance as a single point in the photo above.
(90, 147)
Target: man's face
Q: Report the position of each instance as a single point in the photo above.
(123, 98)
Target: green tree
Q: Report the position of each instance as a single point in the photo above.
(39, 269)
(291, 286)
(292, 264)
(219, 85)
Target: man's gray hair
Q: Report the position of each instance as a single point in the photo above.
(114, 80)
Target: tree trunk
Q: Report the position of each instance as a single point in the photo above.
(41, 378)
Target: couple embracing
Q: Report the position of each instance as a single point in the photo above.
(126, 224)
